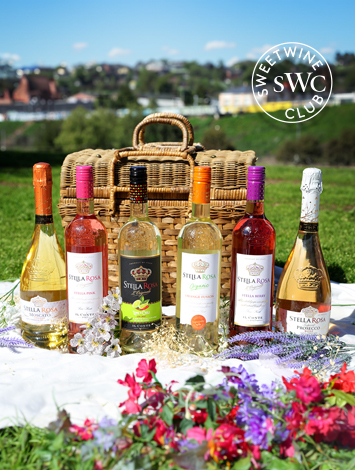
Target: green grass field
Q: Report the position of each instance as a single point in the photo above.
(264, 135)
(282, 207)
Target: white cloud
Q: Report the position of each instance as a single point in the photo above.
(116, 51)
(10, 57)
(79, 46)
(169, 50)
(232, 61)
(257, 52)
(219, 45)
(326, 50)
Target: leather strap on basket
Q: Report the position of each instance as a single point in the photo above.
(164, 118)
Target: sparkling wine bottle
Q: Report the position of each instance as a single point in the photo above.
(253, 258)
(44, 316)
(139, 259)
(199, 270)
(303, 299)
(86, 256)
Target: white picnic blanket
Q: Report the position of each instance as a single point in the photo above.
(35, 383)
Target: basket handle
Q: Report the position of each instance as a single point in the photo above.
(164, 118)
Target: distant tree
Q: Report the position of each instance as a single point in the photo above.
(125, 98)
(83, 129)
(345, 59)
(46, 135)
(341, 151)
(146, 82)
(305, 151)
(215, 138)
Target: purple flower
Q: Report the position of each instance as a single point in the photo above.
(107, 422)
(104, 439)
(12, 342)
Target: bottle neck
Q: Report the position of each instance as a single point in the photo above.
(255, 208)
(43, 204)
(139, 210)
(85, 206)
(200, 211)
(310, 207)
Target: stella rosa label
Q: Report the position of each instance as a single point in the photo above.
(253, 290)
(38, 311)
(308, 321)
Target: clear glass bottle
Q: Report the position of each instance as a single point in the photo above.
(86, 256)
(303, 299)
(199, 270)
(44, 315)
(253, 259)
(139, 260)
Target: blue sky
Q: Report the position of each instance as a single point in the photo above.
(48, 33)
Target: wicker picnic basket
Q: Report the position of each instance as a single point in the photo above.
(170, 168)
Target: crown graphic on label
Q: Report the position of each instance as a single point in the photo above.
(83, 267)
(38, 301)
(308, 278)
(309, 312)
(141, 274)
(200, 266)
(255, 269)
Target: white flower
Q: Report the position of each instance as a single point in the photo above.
(113, 349)
(103, 331)
(109, 319)
(94, 345)
(78, 342)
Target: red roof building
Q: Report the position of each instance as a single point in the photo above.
(35, 86)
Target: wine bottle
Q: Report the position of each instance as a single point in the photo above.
(43, 296)
(253, 258)
(86, 256)
(199, 270)
(303, 299)
(139, 259)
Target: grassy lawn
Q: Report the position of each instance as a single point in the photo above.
(282, 206)
(264, 135)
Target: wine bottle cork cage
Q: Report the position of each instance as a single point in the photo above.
(170, 168)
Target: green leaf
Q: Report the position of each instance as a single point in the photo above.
(345, 397)
(142, 299)
(211, 408)
(197, 379)
(242, 464)
(185, 425)
(331, 400)
(167, 415)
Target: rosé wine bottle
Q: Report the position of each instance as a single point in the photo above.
(253, 258)
(86, 256)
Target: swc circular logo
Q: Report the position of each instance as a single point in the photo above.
(293, 77)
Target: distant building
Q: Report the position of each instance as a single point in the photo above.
(35, 87)
(235, 100)
(6, 98)
(341, 98)
(81, 98)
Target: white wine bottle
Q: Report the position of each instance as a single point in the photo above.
(303, 299)
(139, 260)
(199, 270)
(44, 315)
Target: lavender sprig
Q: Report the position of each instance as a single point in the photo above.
(12, 342)
(322, 354)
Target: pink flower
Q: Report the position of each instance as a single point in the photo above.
(135, 388)
(144, 370)
(86, 432)
(131, 406)
(306, 386)
(199, 434)
(344, 381)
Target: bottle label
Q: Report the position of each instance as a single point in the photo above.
(141, 292)
(38, 311)
(308, 321)
(253, 290)
(85, 285)
(199, 300)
